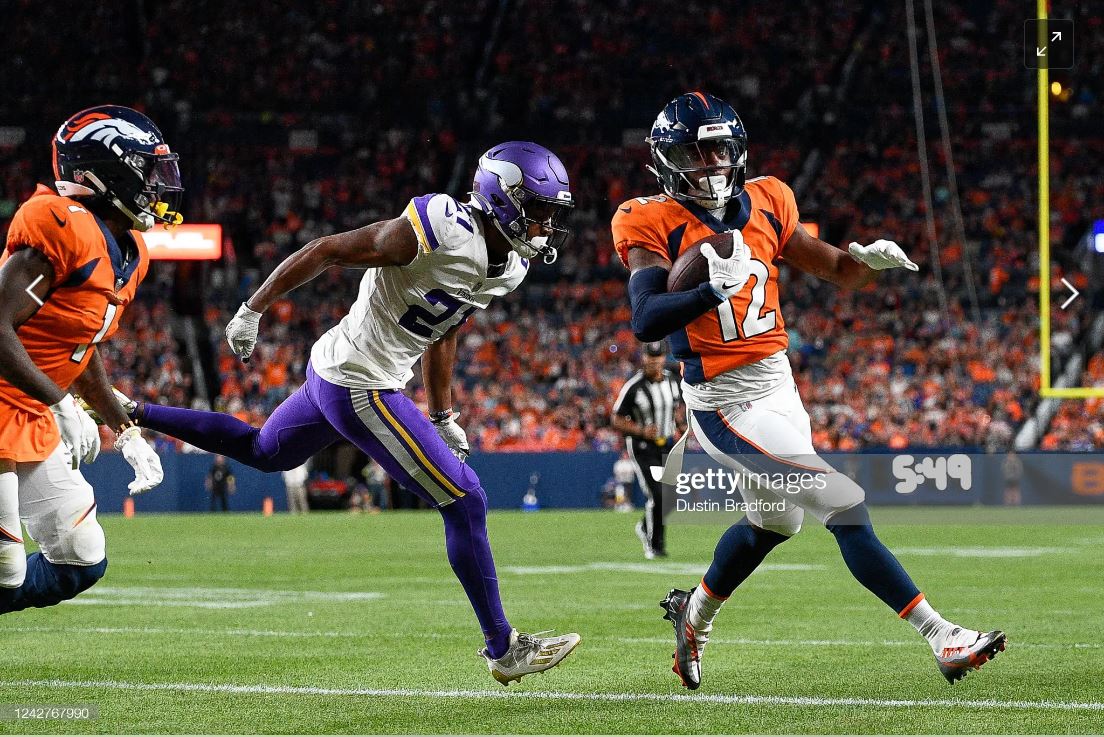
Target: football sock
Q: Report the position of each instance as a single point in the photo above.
(703, 607)
(469, 553)
(49, 583)
(869, 561)
(932, 627)
(739, 552)
(211, 431)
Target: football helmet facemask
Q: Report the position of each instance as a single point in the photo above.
(118, 154)
(699, 148)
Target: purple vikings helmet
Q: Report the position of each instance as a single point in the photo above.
(520, 184)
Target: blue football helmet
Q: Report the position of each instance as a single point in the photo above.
(699, 147)
(118, 154)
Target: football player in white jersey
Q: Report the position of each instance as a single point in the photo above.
(428, 270)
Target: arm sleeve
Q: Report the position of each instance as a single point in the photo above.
(36, 225)
(656, 313)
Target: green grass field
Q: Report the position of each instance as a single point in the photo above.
(339, 623)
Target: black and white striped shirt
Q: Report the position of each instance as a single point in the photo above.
(650, 402)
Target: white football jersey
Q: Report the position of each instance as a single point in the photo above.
(401, 310)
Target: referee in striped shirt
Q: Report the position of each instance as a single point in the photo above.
(645, 412)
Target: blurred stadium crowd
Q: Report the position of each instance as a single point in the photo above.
(314, 117)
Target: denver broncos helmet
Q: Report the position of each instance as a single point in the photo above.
(699, 148)
(118, 154)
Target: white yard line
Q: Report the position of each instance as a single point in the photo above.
(592, 642)
(748, 700)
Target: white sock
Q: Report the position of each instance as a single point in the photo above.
(931, 625)
(703, 608)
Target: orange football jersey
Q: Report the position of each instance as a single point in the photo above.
(749, 326)
(93, 283)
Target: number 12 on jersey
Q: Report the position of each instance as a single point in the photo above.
(753, 323)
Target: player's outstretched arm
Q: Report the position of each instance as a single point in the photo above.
(386, 243)
(853, 269)
(656, 313)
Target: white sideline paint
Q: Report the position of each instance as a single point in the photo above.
(748, 700)
(213, 598)
(667, 569)
(994, 552)
(593, 642)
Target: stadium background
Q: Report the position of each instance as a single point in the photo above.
(302, 117)
(315, 117)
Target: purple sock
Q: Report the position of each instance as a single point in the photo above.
(469, 552)
(212, 431)
(295, 431)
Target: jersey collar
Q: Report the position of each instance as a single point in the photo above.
(736, 215)
(122, 268)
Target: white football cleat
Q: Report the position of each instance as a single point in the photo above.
(529, 654)
(963, 650)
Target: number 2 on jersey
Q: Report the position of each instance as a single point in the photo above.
(420, 321)
(753, 324)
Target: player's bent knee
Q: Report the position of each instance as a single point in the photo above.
(86, 544)
(13, 566)
(784, 528)
(840, 494)
(786, 524)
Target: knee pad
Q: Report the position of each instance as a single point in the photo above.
(85, 545)
(13, 565)
(786, 526)
(63, 543)
(839, 494)
(786, 523)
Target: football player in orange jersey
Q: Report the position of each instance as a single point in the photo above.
(739, 391)
(72, 263)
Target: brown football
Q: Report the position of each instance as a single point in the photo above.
(691, 269)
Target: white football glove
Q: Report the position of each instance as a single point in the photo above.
(140, 456)
(90, 438)
(727, 276)
(241, 332)
(881, 254)
(454, 436)
(67, 415)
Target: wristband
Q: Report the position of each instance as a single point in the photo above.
(443, 415)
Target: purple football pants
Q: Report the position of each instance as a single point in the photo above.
(387, 426)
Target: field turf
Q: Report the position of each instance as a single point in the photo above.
(342, 623)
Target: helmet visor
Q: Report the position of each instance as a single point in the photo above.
(712, 153)
(163, 173)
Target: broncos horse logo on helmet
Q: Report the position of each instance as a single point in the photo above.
(699, 148)
(118, 154)
(520, 184)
